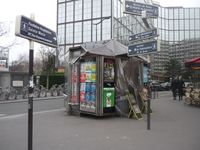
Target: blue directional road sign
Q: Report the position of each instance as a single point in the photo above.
(143, 35)
(142, 48)
(32, 30)
(137, 8)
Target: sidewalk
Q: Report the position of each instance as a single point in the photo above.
(173, 127)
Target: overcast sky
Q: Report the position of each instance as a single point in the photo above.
(45, 14)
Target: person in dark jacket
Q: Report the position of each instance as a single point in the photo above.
(181, 86)
(174, 87)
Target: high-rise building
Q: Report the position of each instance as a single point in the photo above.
(80, 21)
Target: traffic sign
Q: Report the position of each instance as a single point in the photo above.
(142, 48)
(32, 30)
(143, 35)
(137, 8)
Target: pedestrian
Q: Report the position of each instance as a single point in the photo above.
(174, 87)
(181, 87)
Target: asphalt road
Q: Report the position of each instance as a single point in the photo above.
(174, 126)
(9, 108)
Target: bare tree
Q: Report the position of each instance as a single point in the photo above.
(47, 56)
(21, 64)
(2, 29)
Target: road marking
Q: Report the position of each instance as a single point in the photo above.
(26, 114)
(1, 115)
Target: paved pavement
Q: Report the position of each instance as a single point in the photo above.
(173, 127)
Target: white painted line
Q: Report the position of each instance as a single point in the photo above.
(26, 114)
(1, 115)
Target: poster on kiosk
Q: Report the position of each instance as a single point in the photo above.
(109, 90)
(88, 85)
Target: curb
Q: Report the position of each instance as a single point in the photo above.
(34, 99)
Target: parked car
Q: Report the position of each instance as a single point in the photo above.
(156, 86)
(189, 84)
(166, 85)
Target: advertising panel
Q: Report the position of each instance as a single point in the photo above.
(108, 97)
(88, 86)
(74, 98)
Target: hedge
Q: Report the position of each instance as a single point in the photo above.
(57, 78)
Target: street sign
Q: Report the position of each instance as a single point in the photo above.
(142, 48)
(32, 30)
(143, 35)
(137, 8)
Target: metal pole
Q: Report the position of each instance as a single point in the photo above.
(30, 97)
(96, 31)
(148, 108)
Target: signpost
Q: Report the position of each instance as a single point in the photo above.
(29, 29)
(142, 48)
(143, 35)
(136, 8)
(145, 11)
(33, 31)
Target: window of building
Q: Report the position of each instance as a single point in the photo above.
(61, 1)
(187, 24)
(171, 25)
(181, 13)
(171, 13)
(187, 35)
(176, 36)
(78, 32)
(181, 24)
(106, 8)
(192, 34)
(166, 24)
(87, 31)
(87, 9)
(181, 35)
(78, 10)
(187, 13)
(61, 13)
(69, 11)
(96, 8)
(159, 22)
(155, 22)
(61, 34)
(176, 24)
(69, 33)
(176, 13)
(166, 35)
(162, 13)
(171, 35)
(163, 23)
(197, 34)
(192, 15)
(197, 13)
(96, 30)
(106, 29)
(163, 37)
(191, 24)
(197, 24)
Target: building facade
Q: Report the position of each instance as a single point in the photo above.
(179, 35)
(80, 21)
(4, 57)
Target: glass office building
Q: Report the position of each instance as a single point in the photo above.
(179, 35)
(80, 21)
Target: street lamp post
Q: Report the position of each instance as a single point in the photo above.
(99, 23)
